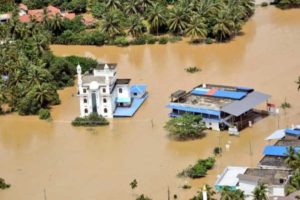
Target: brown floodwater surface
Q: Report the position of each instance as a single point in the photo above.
(53, 160)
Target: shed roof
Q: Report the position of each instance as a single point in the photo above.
(292, 131)
(239, 107)
(277, 150)
(194, 109)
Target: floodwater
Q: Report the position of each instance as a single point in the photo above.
(53, 160)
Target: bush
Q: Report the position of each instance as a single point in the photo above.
(121, 41)
(217, 150)
(91, 120)
(192, 69)
(163, 40)
(44, 114)
(3, 185)
(264, 4)
(142, 197)
(150, 39)
(209, 40)
(175, 39)
(138, 41)
(199, 169)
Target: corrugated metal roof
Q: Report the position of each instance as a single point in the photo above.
(138, 89)
(219, 93)
(193, 109)
(277, 150)
(237, 108)
(292, 131)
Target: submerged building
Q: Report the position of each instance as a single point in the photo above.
(221, 107)
(101, 92)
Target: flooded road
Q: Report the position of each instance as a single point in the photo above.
(53, 160)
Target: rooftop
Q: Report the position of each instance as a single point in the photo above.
(89, 78)
(288, 143)
(274, 161)
(267, 176)
(229, 177)
(278, 150)
(111, 66)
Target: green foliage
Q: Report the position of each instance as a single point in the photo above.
(6, 6)
(187, 126)
(260, 192)
(143, 197)
(3, 185)
(285, 4)
(121, 41)
(228, 194)
(192, 69)
(209, 40)
(199, 169)
(44, 114)
(294, 182)
(217, 150)
(298, 83)
(285, 105)
(163, 40)
(264, 4)
(86, 64)
(185, 187)
(133, 184)
(91, 120)
(293, 158)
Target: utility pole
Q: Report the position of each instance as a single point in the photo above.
(168, 193)
(45, 195)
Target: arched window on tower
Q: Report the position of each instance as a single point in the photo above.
(104, 100)
(120, 90)
(105, 110)
(86, 110)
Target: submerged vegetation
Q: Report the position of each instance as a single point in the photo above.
(199, 169)
(91, 120)
(30, 73)
(185, 127)
(285, 4)
(3, 184)
(192, 69)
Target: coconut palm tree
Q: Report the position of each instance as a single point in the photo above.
(145, 4)
(56, 24)
(111, 24)
(223, 26)
(113, 4)
(226, 194)
(156, 16)
(197, 28)
(136, 26)
(294, 182)
(178, 19)
(260, 192)
(293, 158)
(132, 7)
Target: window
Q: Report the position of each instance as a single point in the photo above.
(84, 90)
(84, 100)
(135, 94)
(104, 100)
(86, 111)
(120, 90)
(104, 90)
(105, 110)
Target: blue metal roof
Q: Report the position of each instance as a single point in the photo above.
(220, 93)
(130, 111)
(193, 109)
(277, 150)
(138, 89)
(292, 131)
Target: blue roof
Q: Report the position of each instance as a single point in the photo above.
(123, 100)
(193, 109)
(292, 131)
(130, 111)
(220, 93)
(277, 150)
(140, 89)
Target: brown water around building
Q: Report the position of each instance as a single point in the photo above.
(53, 160)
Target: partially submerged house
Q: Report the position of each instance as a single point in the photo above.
(101, 92)
(275, 155)
(246, 179)
(221, 106)
(274, 179)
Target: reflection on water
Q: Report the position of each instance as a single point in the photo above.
(61, 162)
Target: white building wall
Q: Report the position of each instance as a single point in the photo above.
(213, 125)
(277, 191)
(125, 91)
(247, 187)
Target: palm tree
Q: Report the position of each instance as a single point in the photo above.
(156, 16)
(111, 24)
(136, 26)
(294, 182)
(55, 23)
(178, 19)
(43, 94)
(223, 26)
(132, 7)
(292, 159)
(196, 29)
(260, 192)
(226, 194)
(145, 4)
(113, 4)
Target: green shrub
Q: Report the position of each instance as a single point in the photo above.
(209, 40)
(264, 4)
(163, 40)
(175, 39)
(138, 41)
(3, 185)
(143, 197)
(150, 39)
(121, 41)
(192, 69)
(91, 120)
(44, 114)
(217, 150)
(199, 169)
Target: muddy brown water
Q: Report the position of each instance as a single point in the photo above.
(54, 160)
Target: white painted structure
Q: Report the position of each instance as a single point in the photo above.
(229, 177)
(101, 92)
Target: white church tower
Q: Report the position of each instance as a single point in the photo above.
(101, 92)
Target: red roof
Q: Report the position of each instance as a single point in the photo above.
(23, 6)
(69, 16)
(24, 18)
(53, 10)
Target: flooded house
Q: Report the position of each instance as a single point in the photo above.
(101, 92)
(222, 107)
(275, 155)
